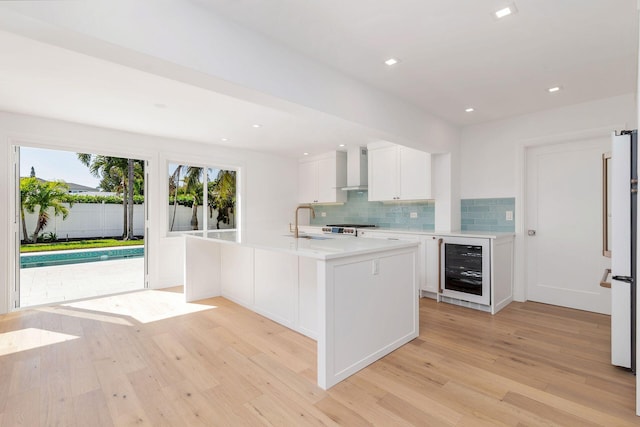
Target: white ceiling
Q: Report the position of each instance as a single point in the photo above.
(44, 80)
(453, 54)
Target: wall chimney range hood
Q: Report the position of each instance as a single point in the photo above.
(357, 169)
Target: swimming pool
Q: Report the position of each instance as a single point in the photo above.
(46, 259)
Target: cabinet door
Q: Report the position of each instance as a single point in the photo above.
(431, 264)
(308, 296)
(326, 180)
(415, 174)
(383, 174)
(237, 273)
(308, 182)
(276, 286)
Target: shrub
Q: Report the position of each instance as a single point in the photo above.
(111, 200)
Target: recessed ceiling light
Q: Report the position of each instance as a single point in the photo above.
(257, 126)
(341, 145)
(470, 110)
(224, 139)
(305, 154)
(505, 11)
(554, 89)
(391, 61)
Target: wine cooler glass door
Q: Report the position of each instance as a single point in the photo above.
(466, 269)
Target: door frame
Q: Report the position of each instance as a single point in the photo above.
(13, 225)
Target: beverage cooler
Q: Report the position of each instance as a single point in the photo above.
(466, 269)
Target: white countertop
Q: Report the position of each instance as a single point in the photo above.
(476, 234)
(330, 247)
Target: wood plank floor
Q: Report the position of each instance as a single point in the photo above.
(147, 359)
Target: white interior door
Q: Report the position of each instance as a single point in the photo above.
(564, 209)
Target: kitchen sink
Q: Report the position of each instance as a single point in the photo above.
(309, 237)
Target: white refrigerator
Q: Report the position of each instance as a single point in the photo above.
(624, 194)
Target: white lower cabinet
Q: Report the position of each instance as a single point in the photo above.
(501, 256)
(276, 283)
(236, 278)
(308, 296)
(335, 299)
(431, 260)
(422, 273)
(280, 286)
(502, 260)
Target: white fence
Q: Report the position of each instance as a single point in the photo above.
(183, 219)
(87, 220)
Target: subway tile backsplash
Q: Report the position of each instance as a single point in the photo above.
(359, 210)
(488, 214)
(476, 214)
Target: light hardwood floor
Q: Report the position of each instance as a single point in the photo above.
(148, 359)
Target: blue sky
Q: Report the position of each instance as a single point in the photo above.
(55, 164)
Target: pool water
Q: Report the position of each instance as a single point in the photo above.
(46, 259)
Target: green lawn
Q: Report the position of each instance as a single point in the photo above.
(81, 244)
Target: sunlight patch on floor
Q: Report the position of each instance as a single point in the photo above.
(83, 314)
(30, 338)
(144, 306)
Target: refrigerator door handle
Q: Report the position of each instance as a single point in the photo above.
(626, 279)
(603, 281)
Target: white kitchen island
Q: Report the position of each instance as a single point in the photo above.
(358, 298)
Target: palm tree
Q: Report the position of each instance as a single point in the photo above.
(193, 186)
(130, 181)
(27, 187)
(46, 195)
(222, 196)
(117, 173)
(174, 184)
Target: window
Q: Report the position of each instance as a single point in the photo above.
(192, 206)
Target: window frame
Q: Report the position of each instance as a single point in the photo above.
(206, 167)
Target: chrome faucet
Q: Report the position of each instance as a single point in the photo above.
(313, 215)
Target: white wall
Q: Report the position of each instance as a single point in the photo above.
(267, 183)
(492, 154)
(489, 152)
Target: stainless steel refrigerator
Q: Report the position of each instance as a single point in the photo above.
(624, 195)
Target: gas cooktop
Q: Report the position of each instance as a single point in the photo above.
(346, 229)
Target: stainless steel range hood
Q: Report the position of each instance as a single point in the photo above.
(357, 169)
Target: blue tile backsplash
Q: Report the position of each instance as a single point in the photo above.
(476, 214)
(359, 210)
(487, 214)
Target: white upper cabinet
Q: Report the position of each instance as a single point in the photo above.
(398, 173)
(321, 178)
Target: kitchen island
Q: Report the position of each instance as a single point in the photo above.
(358, 298)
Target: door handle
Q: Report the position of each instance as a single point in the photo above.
(627, 279)
(531, 232)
